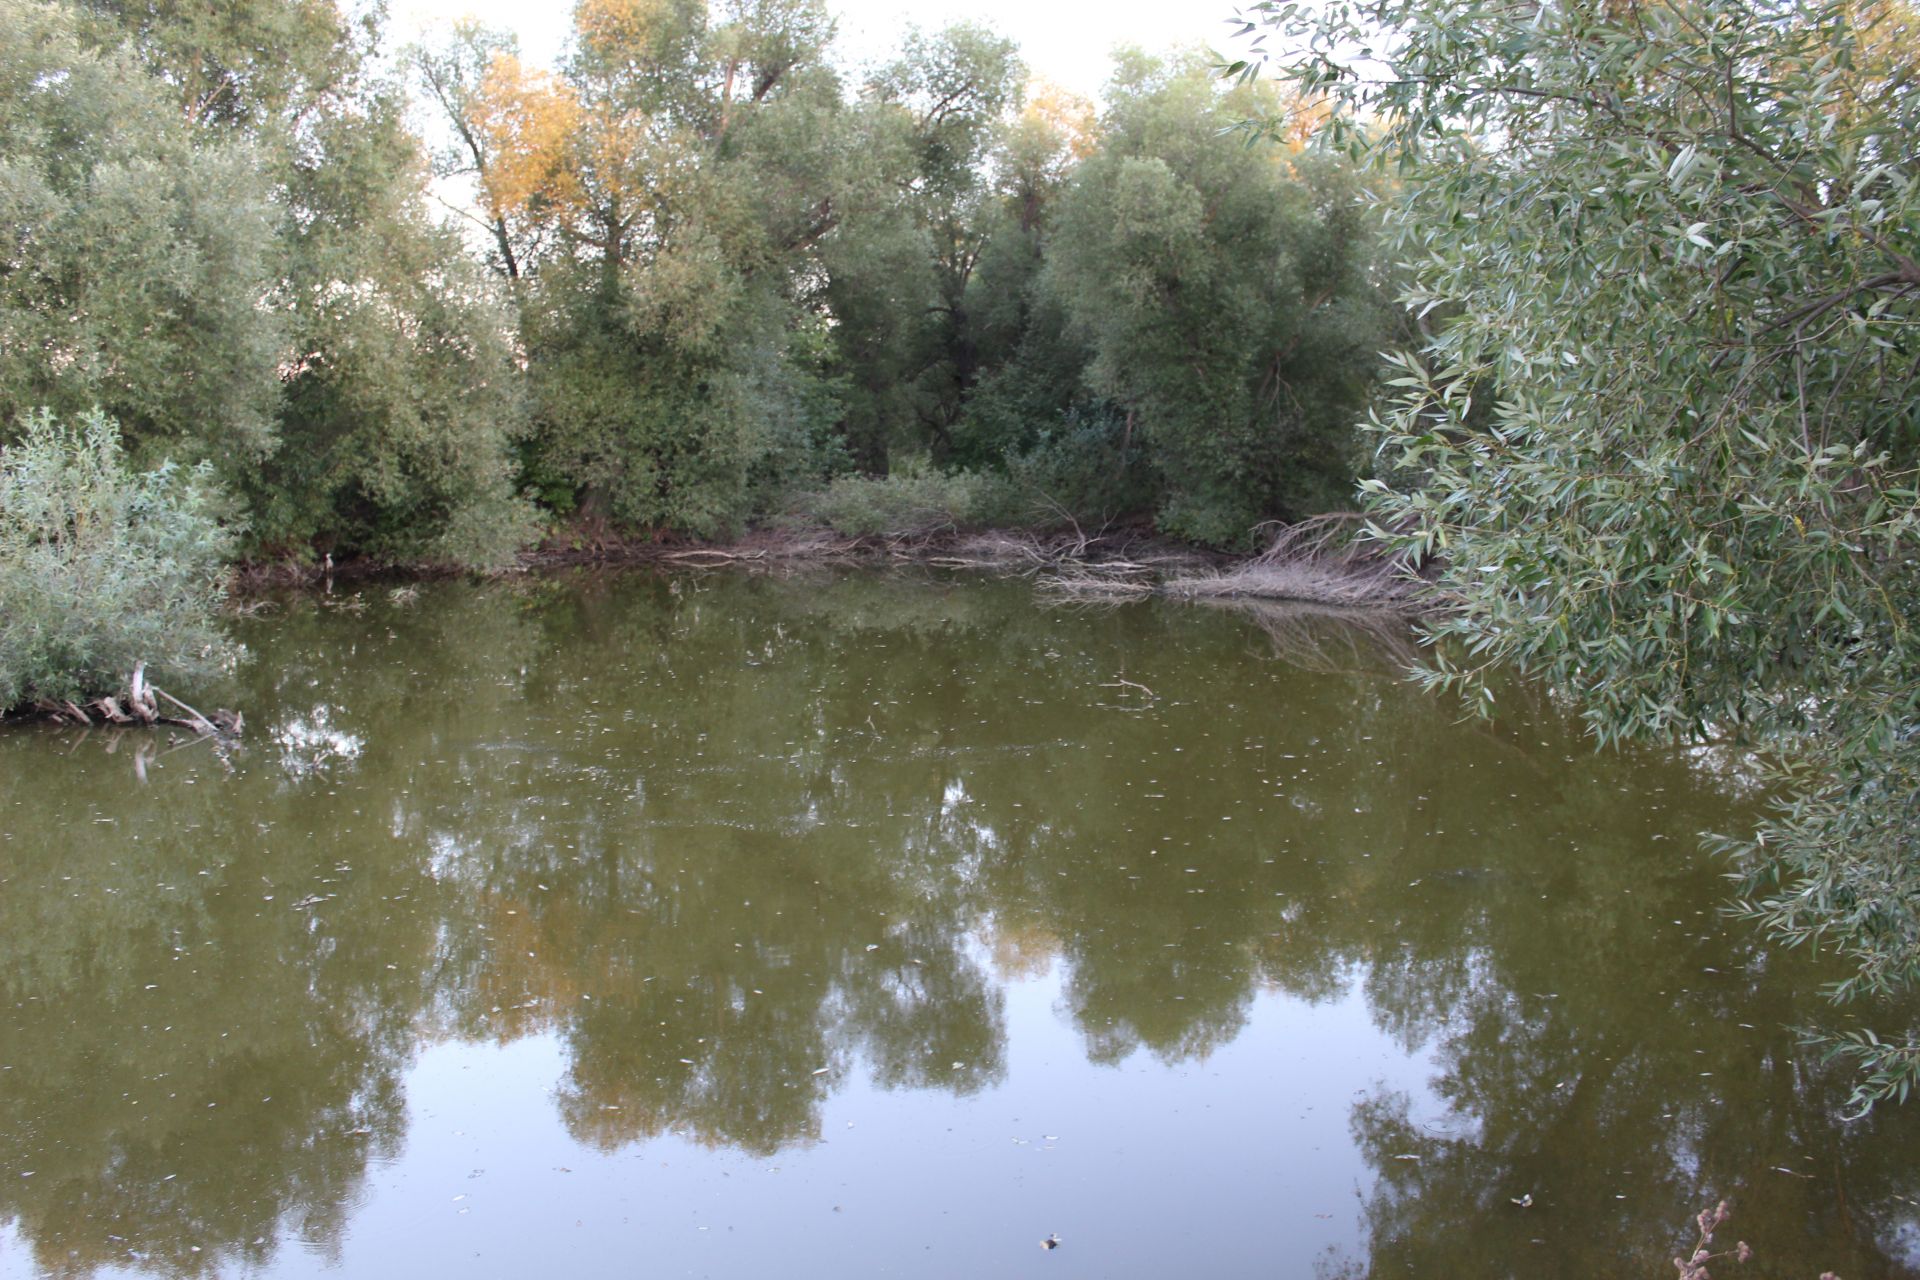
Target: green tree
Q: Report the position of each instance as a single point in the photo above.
(1229, 295)
(1031, 160)
(137, 258)
(1679, 238)
(399, 389)
(403, 401)
(902, 277)
(670, 359)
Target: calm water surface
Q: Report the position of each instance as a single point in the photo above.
(885, 925)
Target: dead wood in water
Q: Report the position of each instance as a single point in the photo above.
(712, 555)
(196, 721)
(1330, 641)
(139, 705)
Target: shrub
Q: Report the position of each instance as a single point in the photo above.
(913, 502)
(1087, 469)
(102, 567)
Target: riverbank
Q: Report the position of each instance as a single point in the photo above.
(1319, 561)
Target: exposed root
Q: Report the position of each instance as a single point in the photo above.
(1305, 583)
(1319, 564)
(1094, 584)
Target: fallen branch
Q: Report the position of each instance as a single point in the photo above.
(1121, 682)
(140, 706)
(110, 709)
(221, 722)
(713, 553)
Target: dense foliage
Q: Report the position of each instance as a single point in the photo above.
(102, 567)
(742, 271)
(134, 256)
(1677, 246)
(698, 271)
(1226, 294)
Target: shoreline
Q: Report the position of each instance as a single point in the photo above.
(1305, 564)
(1002, 547)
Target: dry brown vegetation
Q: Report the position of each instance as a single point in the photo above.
(1323, 561)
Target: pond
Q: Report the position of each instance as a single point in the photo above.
(890, 924)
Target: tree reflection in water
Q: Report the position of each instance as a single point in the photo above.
(730, 839)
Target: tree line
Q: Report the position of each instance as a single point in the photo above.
(700, 271)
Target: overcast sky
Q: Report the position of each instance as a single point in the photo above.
(1066, 43)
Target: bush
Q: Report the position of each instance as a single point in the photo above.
(913, 502)
(102, 567)
(1087, 469)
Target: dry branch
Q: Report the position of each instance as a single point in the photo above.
(1325, 560)
(139, 706)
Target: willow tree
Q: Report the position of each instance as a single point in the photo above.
(1229, 296)
(398, 395)
(135, 259)
(1682, 240)
(1027, 370)
(902, 279)
(655, 202)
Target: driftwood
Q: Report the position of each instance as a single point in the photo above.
(141, 705)
(713, 555)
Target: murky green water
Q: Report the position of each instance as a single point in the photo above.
(881, 925)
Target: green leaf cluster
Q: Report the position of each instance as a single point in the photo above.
(1663, 434)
